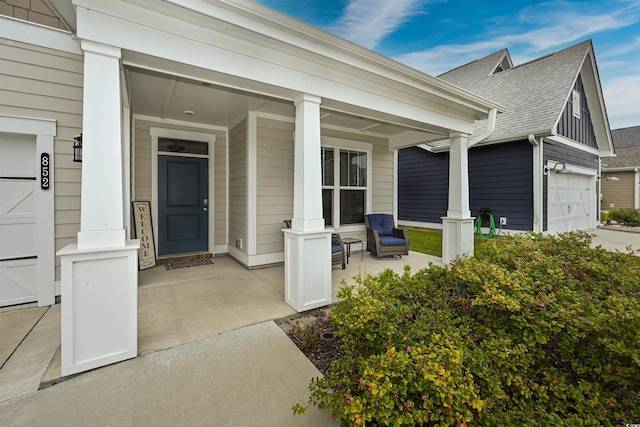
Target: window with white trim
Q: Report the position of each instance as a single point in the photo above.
(345, 185)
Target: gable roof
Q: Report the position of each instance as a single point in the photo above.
(627, 143)
(534, 93)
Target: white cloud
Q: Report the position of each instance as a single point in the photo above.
(552, 25)
(367, 22)
(622, 100)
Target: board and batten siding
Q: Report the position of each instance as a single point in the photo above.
(500, 178)
(46, 83)
(274, 183)
(578, 129)
(142, 168)
(558, 152)
(620, 194)
(238, 185)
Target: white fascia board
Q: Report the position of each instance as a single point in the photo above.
(38, 35)
(595, 98)
(573, 144)
(621, 169)
(277, 26)
(212, 50)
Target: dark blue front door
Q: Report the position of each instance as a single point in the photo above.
(183, 217)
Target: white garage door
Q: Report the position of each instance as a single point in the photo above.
(571, 202)
(18, 220)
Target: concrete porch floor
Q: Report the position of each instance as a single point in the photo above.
(175, 307)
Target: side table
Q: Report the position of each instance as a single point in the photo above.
(348, 241)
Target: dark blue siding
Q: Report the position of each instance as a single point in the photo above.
(501, 178)
(581, 129)
(423, 185)
(558, 152)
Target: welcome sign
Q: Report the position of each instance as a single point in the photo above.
(144, 232)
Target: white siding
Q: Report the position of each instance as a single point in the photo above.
(47, 84)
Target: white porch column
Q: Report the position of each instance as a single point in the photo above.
(307, 246)
(99, 274)
(457, 226)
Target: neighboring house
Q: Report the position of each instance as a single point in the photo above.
(555, 115)
(228, 118)
(621, 173)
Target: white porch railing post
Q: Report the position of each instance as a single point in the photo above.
(99, 274)
(307, 243)
(457, 226)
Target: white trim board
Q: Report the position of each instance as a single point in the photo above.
(38, 35)
(44, 131)
(158, 132)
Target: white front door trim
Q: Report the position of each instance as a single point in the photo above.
(210, 138)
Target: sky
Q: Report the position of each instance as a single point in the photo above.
(435, 36)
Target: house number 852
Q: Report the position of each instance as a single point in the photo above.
(45, 176)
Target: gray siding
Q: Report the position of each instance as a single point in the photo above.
(238, 184)
(47, 84)
(581, 129)
(500, 178)
(274, 183)
(423, 185)
(558, 152)
(619, 193)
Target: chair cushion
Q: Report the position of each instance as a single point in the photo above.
(336, 248)
(390, 240)
(381, 222)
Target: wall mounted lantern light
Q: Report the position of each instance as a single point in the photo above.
(77, 149)
(563, 170)
(611, 177)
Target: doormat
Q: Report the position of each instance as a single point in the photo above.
(187, 263)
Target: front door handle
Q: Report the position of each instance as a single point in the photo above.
(205, 209)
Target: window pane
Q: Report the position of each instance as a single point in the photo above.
(327, 207)
(352, 206)
(327, 166)
(180, 146)
(353, 168)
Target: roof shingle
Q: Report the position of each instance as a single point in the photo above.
(534, 93)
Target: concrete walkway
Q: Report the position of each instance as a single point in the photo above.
(248, 377)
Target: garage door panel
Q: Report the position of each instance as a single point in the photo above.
(18, 156)
(18, 220)
(570, 202)
(17, 198)
(18, 241)
(18, 281)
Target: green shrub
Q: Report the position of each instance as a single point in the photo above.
(627, 216)
(538, 330)
(604, 217)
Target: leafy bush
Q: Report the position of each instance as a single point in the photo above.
(604, 217)
(627, 216)
(538, 330)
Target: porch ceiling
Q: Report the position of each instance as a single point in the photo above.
(170, 96)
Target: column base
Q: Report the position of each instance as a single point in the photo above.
(457, 238)
(307, 269)
(99, 306)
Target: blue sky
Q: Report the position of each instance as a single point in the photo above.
(435, 36)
